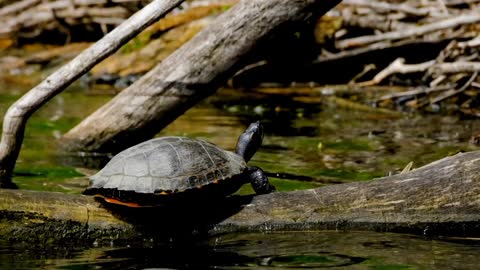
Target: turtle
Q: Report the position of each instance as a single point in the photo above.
(170, 169)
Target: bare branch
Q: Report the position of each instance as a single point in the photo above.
(456, 67)
(18, 114)
(398, 66)
(411, 32)
(454, 92)
(17, 7)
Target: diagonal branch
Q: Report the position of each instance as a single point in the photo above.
(18, 114)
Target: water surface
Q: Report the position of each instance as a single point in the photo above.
(310, 141)
(293, 250)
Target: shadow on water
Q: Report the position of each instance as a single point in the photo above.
(207, 257)
(180, 220)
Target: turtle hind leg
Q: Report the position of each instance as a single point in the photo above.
(259, 181)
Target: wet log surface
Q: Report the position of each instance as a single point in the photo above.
(442, 198)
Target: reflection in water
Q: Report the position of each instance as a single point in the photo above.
(311, 260)
(295, 250)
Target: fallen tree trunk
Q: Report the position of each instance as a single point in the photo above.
(442, 198)
(190, 74)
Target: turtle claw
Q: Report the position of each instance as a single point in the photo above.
(259, 181)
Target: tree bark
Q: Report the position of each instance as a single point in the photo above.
(18, 114)
(190, 74)
(442, 198)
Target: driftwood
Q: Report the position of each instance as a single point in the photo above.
(190, 74)
(411, 32)
(361, 38)
(441, 198)
(17, 115)
(449, 28)
(30, 18)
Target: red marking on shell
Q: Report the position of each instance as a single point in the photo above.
(115, 201)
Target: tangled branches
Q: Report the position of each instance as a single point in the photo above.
(30, 18)
(453, 26)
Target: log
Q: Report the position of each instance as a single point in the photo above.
(190, 74)
(442, 198)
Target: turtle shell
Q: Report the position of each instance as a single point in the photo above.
(160, 169)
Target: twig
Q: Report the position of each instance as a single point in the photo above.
(366, 69)
(411, 32)
(460, 2)
(443, 6)
(470, 43)
(397, 66)
(454, 92)
(436, 81)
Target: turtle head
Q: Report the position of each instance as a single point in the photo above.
(249, 142)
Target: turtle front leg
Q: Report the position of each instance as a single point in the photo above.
(259, 180)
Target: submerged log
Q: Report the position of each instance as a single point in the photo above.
(442, 198)
(187, 76)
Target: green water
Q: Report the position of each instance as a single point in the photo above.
(322, 145)
(307, 144)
